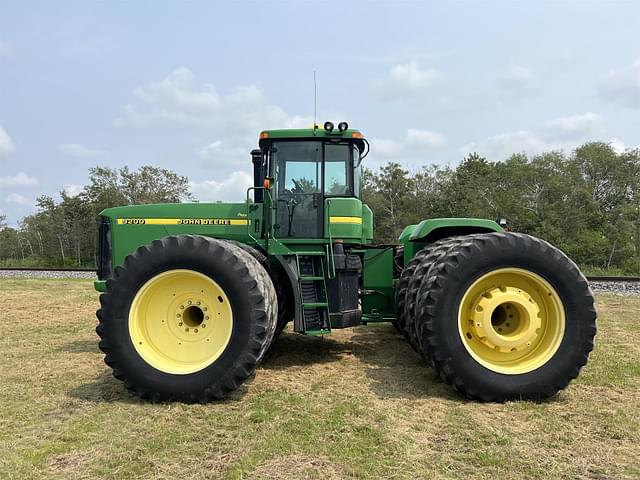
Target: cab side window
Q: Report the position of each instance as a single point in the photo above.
(336, 178)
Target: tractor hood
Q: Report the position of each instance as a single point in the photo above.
(133, 226)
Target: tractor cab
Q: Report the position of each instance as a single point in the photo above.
(313, 177)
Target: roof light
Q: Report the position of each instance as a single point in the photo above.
(356, 135)
(343, 126)
(264, 134)
(328, 126)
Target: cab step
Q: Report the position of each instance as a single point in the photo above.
(318, 333)
(315, 305)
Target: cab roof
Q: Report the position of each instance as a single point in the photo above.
(312, 133)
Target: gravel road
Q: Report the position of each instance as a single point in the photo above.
(617, 288)
(45, 274)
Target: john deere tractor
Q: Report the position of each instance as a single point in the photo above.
(195, 294)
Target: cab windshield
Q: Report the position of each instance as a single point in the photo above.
(299, 169)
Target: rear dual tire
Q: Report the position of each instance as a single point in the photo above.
(187, 318)
(501, 316)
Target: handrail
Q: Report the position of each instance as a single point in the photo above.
(248, 204)
(330, 260)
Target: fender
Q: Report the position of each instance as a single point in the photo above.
(415, 237)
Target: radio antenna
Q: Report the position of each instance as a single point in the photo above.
(315, 102)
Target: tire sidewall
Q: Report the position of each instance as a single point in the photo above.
(550, 264)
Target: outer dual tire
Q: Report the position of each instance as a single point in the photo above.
(187, 318)
(501, 316)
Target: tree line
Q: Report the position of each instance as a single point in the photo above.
(586, 202)
(64, 233)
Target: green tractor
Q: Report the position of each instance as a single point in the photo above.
(195, 294)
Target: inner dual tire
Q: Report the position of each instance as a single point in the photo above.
(501, 316)
(285, 296)
(187, 318)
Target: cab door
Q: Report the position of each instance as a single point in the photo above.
(298, 195)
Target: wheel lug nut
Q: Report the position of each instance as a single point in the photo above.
(181, 307)
(180, 324)
(195, 330)
(206, 318)
(189, 302)
(198, 303)
(204, 309)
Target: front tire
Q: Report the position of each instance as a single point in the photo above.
(506, 316)
(186, 318)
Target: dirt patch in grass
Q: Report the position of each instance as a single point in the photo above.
(357, 404)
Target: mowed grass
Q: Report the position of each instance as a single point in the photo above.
(356, 404)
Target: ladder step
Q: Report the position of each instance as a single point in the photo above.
(304, 254)
(309, 279)
(315, 305)
(315, 333)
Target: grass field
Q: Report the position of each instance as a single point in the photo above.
(357, 404)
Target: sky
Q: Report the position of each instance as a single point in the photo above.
(189, 85)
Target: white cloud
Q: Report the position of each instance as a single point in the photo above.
(574, 126)
(564, 133)
(178, 99)
(6, 145)
(233, 118)
(225, 152)
(210, 149)
(620, 147)
(384, 147)
(414, 143)
(424, 139)
(502, 145)
(78, 150)
(21, 179)
(622, 86)
(18, 200)
(226, 155)
(6, 50)
(518, 82)
(73, 190)
(515, 83)
(406, 80)
(233, 188)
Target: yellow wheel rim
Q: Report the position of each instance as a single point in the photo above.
(180, 321)
(511, 321)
